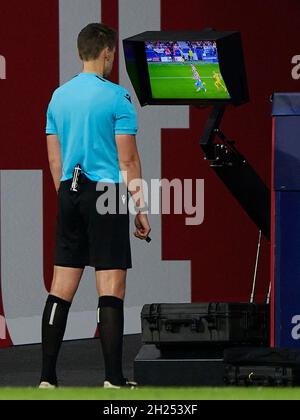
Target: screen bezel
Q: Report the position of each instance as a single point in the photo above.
(231, 63)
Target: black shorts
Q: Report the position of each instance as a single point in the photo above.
(86, 238)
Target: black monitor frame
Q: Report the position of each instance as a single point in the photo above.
(231, 62)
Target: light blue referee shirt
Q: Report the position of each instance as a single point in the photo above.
(86, 113)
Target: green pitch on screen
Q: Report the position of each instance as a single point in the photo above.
(175, 81)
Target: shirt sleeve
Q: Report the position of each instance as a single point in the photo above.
(125, 115)
(51, 126)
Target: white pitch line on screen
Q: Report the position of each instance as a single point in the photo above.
(174, 77)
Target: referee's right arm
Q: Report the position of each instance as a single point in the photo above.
(130, 163)
(126, 127)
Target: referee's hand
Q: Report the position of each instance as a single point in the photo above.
(142, 226)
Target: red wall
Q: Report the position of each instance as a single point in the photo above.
(223, 249)
(29, 42)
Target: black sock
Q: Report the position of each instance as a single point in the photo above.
(53, 329)
(111, 329)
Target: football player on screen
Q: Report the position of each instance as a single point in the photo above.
(199, 84)
(218, 81)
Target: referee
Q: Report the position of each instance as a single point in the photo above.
(91, 126)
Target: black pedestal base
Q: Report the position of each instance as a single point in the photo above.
(153, 368)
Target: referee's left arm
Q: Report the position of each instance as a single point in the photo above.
(54, 147)
(54, 157)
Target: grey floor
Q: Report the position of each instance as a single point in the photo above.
(80, 363)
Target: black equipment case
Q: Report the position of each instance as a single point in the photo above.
(218, 324)
(262, 367)
(225, 324)
(273, 376)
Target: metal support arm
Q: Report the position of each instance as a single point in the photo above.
(236, 173)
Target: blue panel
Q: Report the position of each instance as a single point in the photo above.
(287, 153)
(286, 104)
(287, 269)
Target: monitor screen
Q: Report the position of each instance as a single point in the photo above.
(185, 70)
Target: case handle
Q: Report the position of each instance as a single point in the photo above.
(196, 324)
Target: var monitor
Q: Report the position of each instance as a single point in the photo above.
(187, 68)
